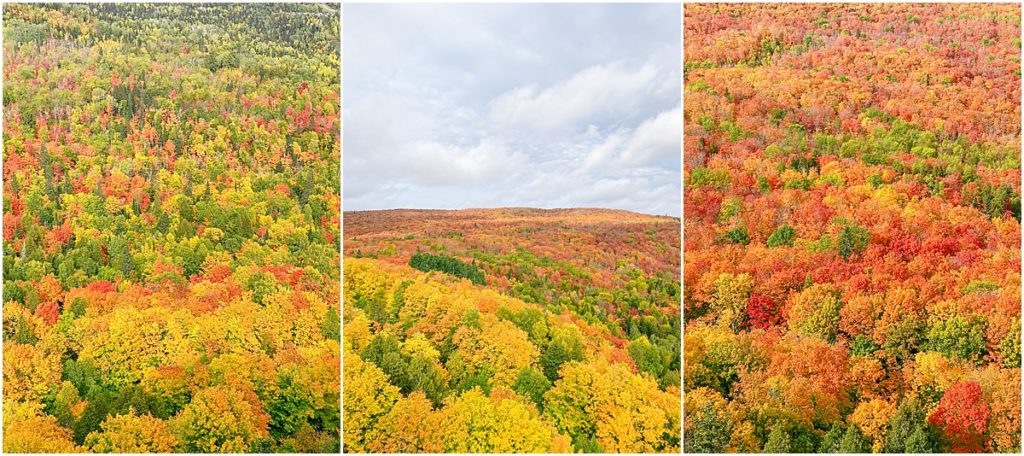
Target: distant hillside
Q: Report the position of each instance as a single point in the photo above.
(562, 258)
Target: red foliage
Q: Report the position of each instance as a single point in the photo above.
(963, 416)
(102, 286)
(49, 312)
(762, 312)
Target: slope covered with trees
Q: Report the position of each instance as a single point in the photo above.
(852, 228)
(170, 229)
(511, 330)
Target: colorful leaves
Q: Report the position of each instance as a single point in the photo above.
(963, 416)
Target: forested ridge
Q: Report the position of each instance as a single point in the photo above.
(852, 228)
(511, 330)
(171, 228)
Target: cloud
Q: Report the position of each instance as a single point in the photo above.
(449, 165)
(595, 95)
(457, 105)
(656, 140)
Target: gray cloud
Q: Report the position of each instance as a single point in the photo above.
(453, 106)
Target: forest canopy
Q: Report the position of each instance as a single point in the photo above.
(852, 221)
(511, 330)
(171, 228)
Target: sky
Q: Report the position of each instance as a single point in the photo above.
(529, 105)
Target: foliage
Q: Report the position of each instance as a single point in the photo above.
(171, 222)
(450, 265)
(852, 227)
(500, 374)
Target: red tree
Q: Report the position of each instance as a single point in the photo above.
(963, 416)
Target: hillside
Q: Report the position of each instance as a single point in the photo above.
(467, 315)
(852, 223)
(171, 228)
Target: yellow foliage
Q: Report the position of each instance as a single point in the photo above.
(872, 418)
(475, 423)
(131, 434)
(29, 374)
(28, 430)
(368, 396)
(933, 370)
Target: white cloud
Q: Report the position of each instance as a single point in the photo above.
(454, 106)
(655, 140)
(449, 165)
(597, 94)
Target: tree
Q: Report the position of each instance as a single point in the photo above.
(782, 236)
(411, 426)
(564, 346)
(709, 432)
(475, 423)
(852, 240)
(648, 358)
(958, 337)
(778, 440)
(815, 311)
(532, 384)
(832, 440)
(368, 397)
(130, 433)
(962, 415)
(221, 419)
(854, 442)
(871, 419)
(909, 430)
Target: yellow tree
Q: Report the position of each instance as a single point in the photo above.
(130, 433)
(476, 423)
(368, 397)
(613, 407)
(500, 345)
(412, 426)
(221, 419)
(28, 372)
(28, 430)
(871, 417)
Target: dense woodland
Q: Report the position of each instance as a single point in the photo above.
(511, 330)
(171, 228)
(852, 251)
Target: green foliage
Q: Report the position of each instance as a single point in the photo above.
(909, 431)
(958, 337)
(710, 432)
(1009, 347)
(778, 441)
(648, 358)
(565, 345)
(863, 346)
(736, 236)
(707, 177)
(532, 384)
(980, 287)
(450, 265)
(782, 236)
(852, 241)
(832, 440)
(854, 441)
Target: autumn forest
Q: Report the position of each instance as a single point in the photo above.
(171, 228)
(852, 228)
(511, 331)
(802, 235)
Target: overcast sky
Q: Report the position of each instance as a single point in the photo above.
(458, 105)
